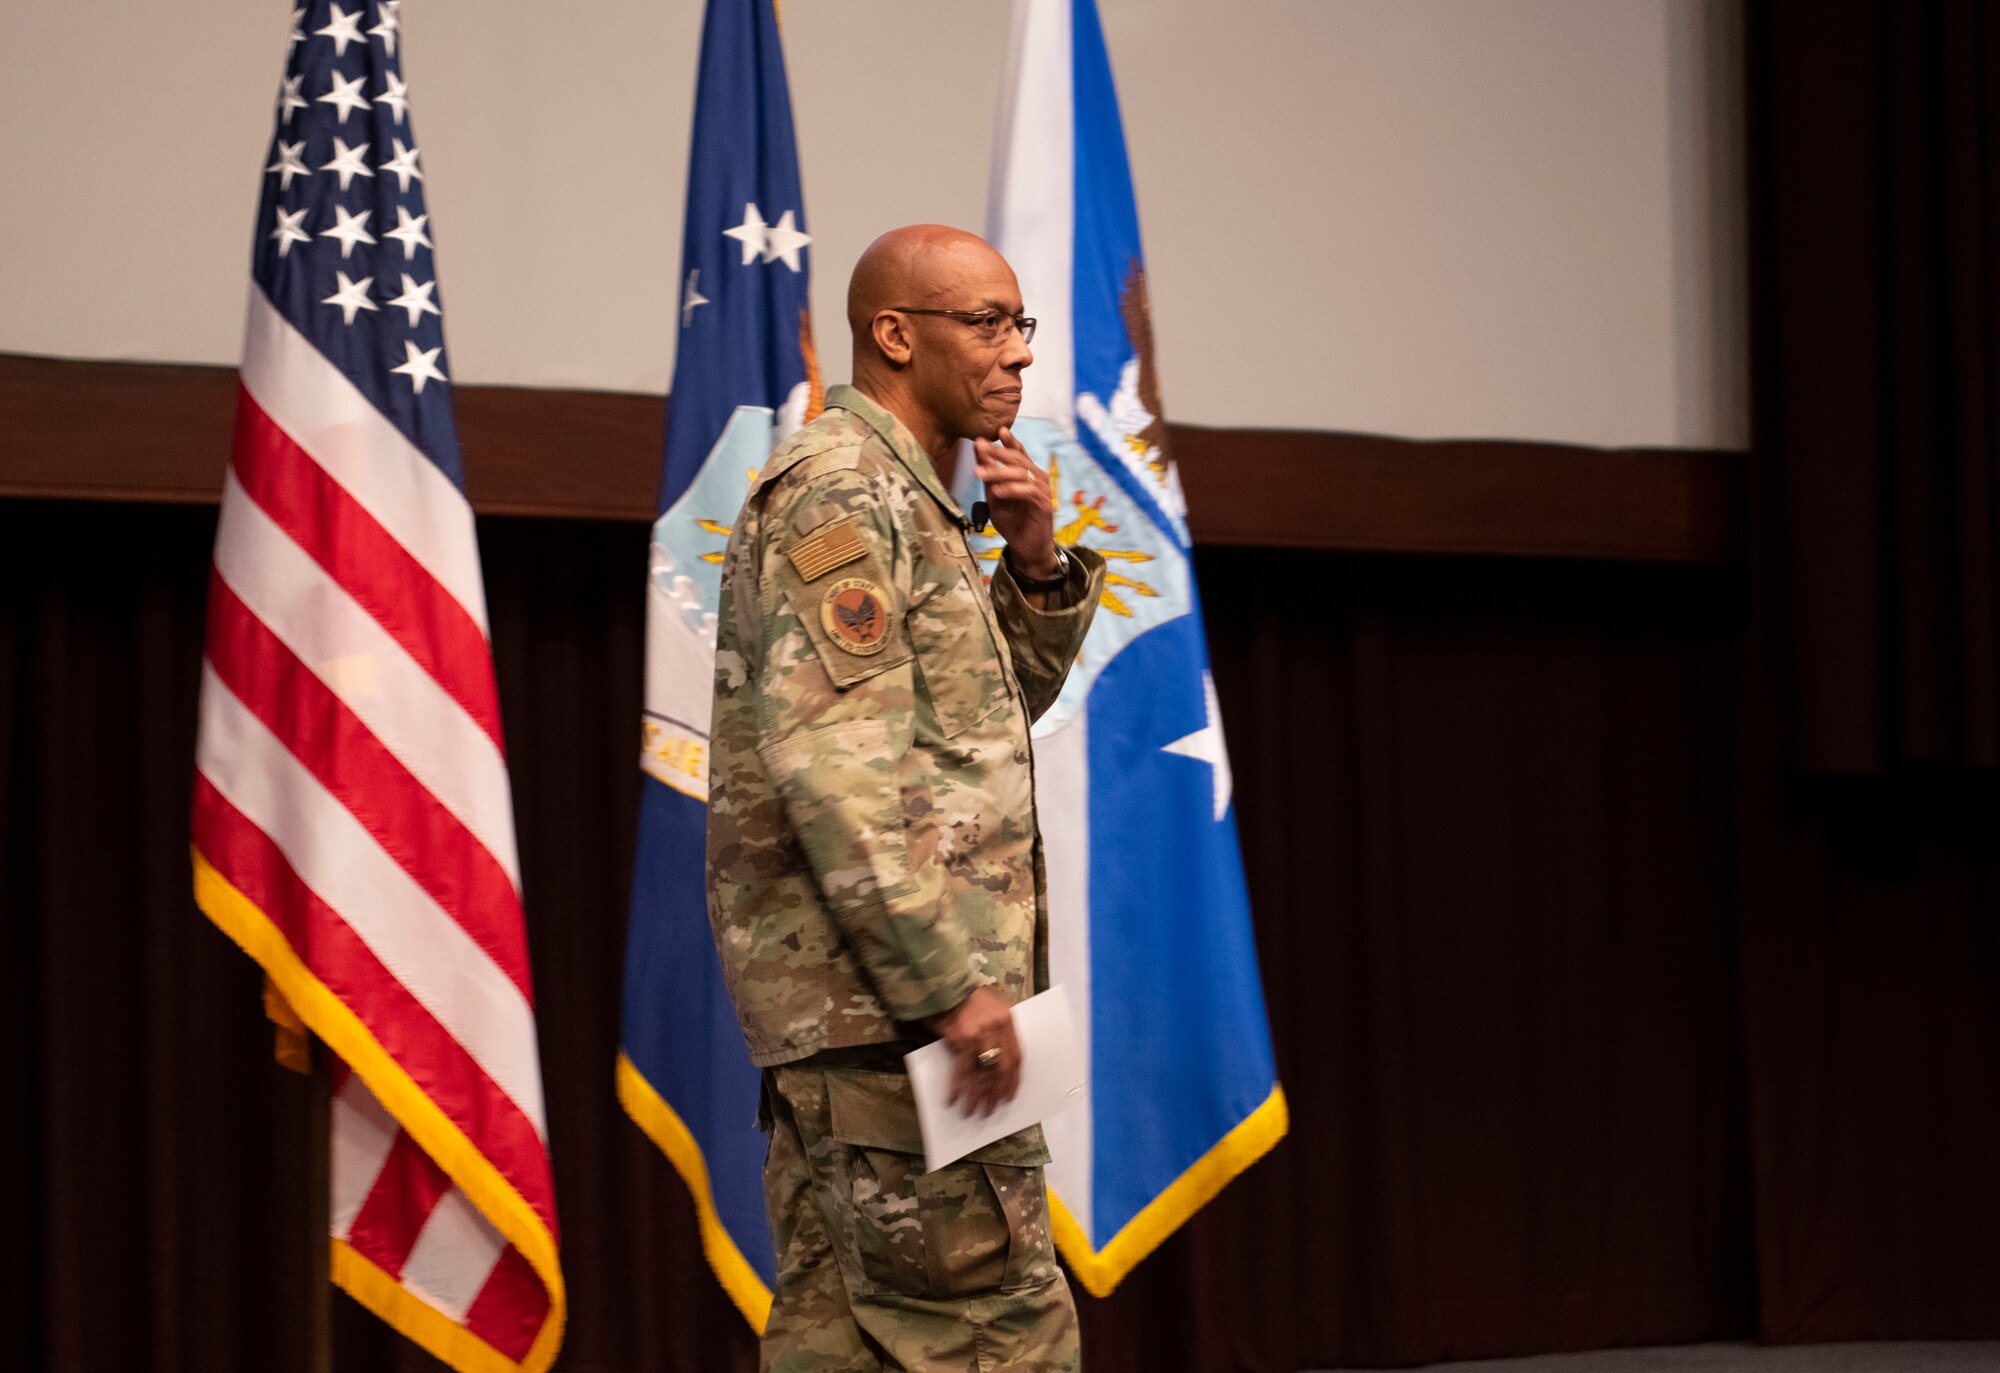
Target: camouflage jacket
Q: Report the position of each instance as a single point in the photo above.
(872, 848)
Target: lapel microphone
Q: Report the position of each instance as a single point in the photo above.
(979, 516)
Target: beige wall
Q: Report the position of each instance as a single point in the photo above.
(1513, 218)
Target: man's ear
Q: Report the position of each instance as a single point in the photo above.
(892, 337)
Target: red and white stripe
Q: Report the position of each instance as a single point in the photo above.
(352, 785)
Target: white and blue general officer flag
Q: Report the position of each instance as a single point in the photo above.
(744, 378)
(1149, 915)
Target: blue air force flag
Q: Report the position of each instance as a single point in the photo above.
(744, 377)
(1150, 918)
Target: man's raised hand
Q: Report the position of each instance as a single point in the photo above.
(1017, 492)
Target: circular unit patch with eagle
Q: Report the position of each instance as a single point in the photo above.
(854, 616)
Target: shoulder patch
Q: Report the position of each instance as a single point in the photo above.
(788, 471)
(812, 449)
(832, 545)
(808, 518)
(845, 458)
(854, 616)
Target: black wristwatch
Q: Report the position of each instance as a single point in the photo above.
(1042, 584)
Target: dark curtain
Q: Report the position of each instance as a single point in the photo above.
(157, 1184)
(1875, 161)
(151, 1182)
(1481, 813)
(1870, 805)
(1600, 1024)
(1872, 967)
(1485, 812)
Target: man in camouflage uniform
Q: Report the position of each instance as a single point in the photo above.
(875, 871)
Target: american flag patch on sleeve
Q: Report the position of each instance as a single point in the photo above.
(819, 553)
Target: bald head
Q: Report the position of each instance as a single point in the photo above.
(949, 375)
(919, 264)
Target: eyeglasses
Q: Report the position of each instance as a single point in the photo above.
(990, 325)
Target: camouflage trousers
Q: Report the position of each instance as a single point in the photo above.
(882, 1266)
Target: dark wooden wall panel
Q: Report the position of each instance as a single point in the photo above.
(1262, 488)
(143, 431)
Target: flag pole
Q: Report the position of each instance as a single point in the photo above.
(319, 1211)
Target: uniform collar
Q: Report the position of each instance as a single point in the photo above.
(900, 440)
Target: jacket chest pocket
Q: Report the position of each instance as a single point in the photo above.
(964, 677)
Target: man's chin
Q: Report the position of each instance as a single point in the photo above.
(1000, 417)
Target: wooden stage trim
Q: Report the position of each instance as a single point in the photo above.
(153, 432)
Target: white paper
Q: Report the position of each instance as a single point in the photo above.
(1052, 1074)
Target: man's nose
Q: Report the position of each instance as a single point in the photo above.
(1016, 354)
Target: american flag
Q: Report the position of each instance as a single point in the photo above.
(353, 828)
